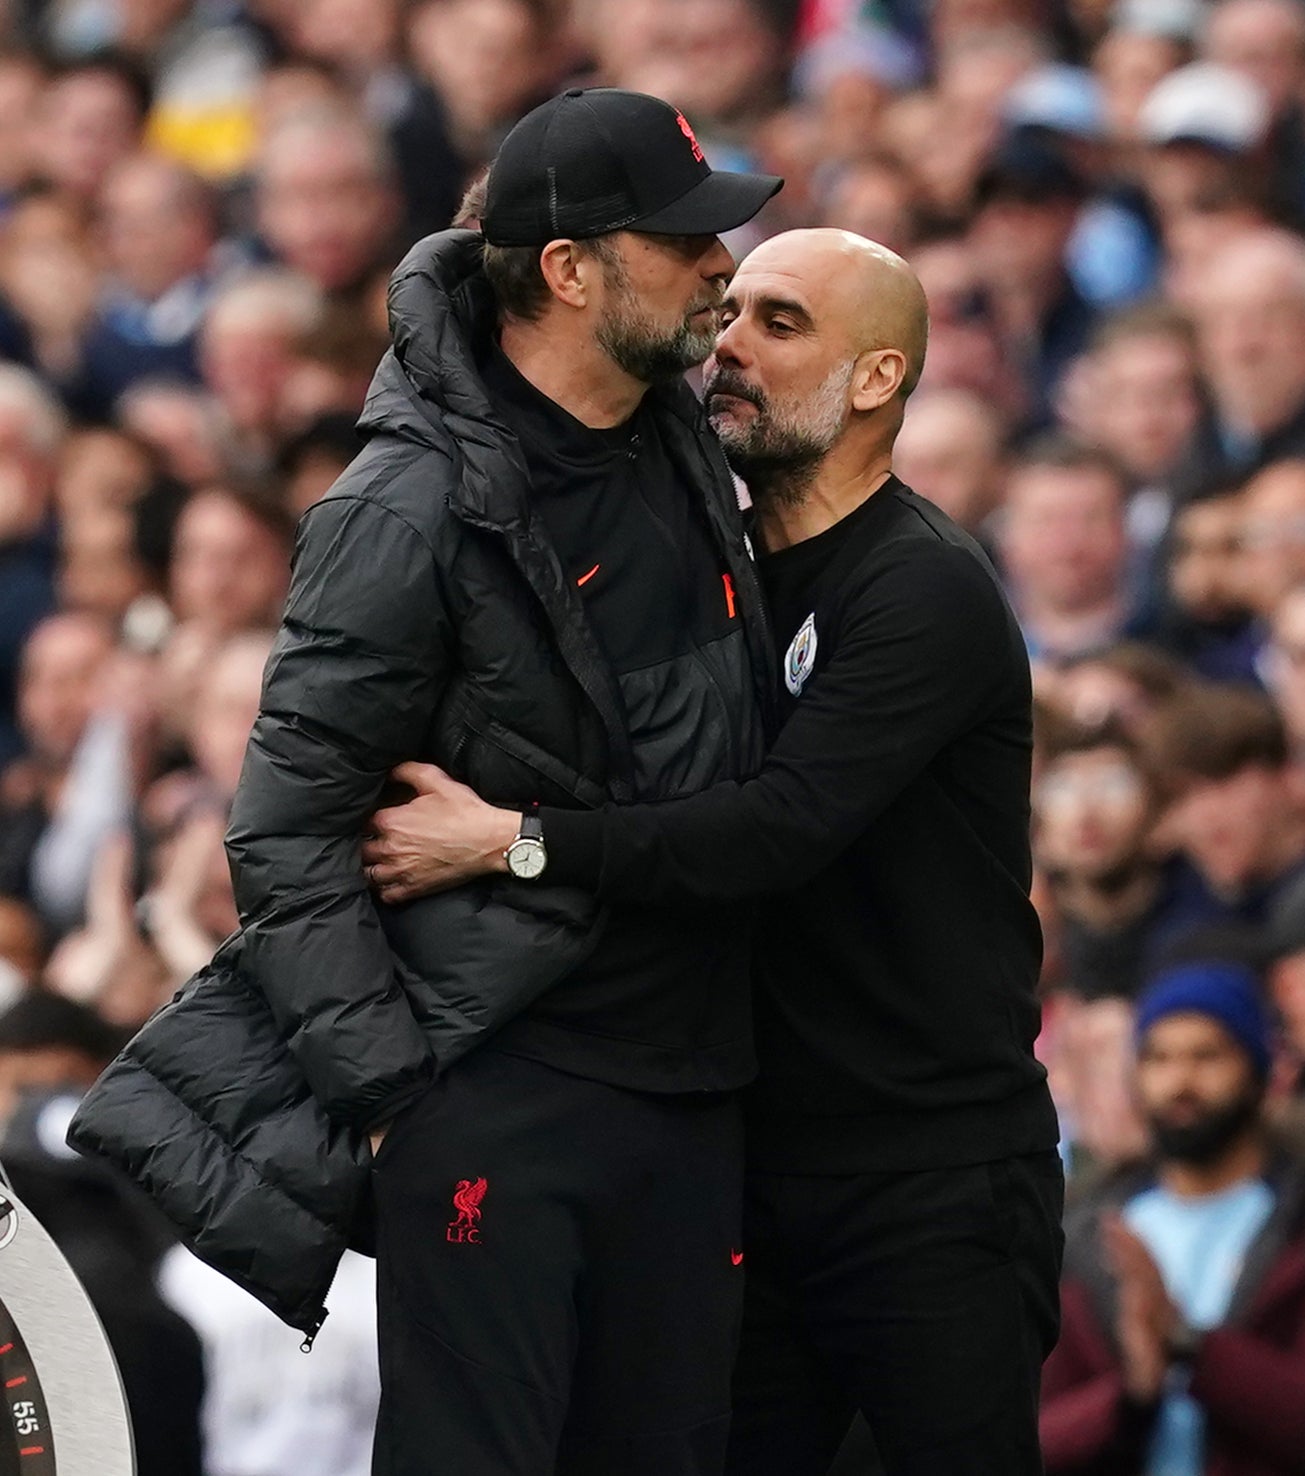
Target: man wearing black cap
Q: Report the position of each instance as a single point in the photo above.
(535, 575)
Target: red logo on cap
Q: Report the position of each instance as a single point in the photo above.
(688, 133)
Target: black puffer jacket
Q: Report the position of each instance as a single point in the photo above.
(428, 617)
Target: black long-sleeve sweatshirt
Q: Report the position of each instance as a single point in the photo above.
(663, 1003)
(898, 956)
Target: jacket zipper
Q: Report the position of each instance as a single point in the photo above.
(313, 1328)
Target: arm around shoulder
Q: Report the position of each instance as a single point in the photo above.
(922, 650)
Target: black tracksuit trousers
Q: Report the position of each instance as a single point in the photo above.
(926, 1300)
(560, 1278)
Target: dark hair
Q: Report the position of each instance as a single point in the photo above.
(1064, 453)
(333, 436)
(40, 1020)
(1159, 675)
(256, 497)
(155, 514)
(1212, 733)
(471, 208)
(518, 281)
(1071, 738)
(344, 341)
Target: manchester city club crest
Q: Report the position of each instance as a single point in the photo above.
(801, 656)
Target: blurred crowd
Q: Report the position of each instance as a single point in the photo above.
(200, 207)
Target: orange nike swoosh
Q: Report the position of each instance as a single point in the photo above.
(585, 578)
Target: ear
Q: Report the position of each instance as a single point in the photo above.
(569, 272)
(878, 378)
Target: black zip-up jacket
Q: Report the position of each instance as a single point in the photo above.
(428, 617)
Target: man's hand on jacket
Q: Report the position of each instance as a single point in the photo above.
(442, 837)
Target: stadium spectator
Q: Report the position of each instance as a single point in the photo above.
(1064, 549)
(22, 949)
(90, 117)
(332, 367)
(1264, 40)
(48, 277)
(1128, 62)
(247, 353)
(183, 427)
(488, 63)
(1285, 951)
(32, 429)
(951, 450)
(1282, 663)
(1202, 126)
(48, 1044)
(1250, 320)
(100, 468)
(327, 202)
(1236, 812)
(1130, 685)
(1273, 533)
(310, 461)
(267, 1408)
(68, 792)
(159, 228)
(1183, 1336)
(721, 61)
(1028, 204)
(100, 568)
(964, 348)
(230, 561)
(874, 198)
(1094, 808)
(22, 80)
(1208, 622)
(1135, 394)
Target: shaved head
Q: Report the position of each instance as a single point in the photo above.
(863, 286)
(823, 338)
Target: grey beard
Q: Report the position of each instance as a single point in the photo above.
(776, 481)
(650, 356)
(779, 458)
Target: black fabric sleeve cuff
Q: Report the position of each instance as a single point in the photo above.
(574, 840)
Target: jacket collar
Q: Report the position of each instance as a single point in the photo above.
(429, 389)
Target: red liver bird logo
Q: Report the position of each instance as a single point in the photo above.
(467, 1197)
(688, 132)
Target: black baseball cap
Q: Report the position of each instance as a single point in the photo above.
(602, 159)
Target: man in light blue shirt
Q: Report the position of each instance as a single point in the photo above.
(1176, 1262)
(1202, 1060)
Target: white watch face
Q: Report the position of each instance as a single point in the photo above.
(527, 858)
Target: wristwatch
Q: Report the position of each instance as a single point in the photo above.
(526, 857)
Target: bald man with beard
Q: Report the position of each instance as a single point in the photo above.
(902, 1226)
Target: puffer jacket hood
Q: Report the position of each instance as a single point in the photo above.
(427, 388)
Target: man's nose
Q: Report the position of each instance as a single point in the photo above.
(717, 262)
(730, 344)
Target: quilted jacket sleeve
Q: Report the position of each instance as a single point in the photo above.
(354, 677)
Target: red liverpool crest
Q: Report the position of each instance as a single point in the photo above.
(687, 131)
(467, 1197)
